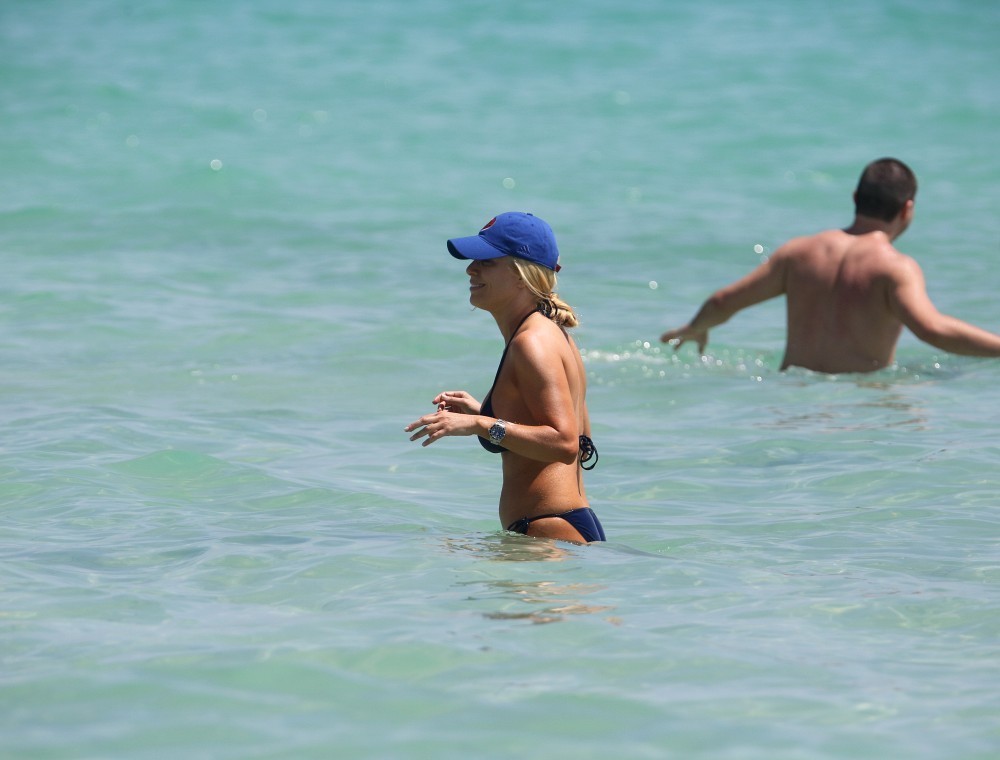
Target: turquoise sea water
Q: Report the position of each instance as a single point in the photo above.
(225, 292)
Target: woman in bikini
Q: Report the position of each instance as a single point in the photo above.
(535, 415)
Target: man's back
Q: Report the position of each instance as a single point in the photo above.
(839, 289)
(849, 292)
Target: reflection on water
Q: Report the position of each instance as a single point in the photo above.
(505, 547)
(536, 601)
(890, 410)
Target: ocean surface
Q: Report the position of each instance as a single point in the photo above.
(225, 292)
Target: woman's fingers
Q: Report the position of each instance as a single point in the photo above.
(428, 426)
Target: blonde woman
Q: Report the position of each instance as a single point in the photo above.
(535, 415)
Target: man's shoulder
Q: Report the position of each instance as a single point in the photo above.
(875, 258)
(817, 241)
(878, 248)
(815, 250)
(826, 253)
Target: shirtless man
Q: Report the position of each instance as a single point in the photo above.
(848, 292)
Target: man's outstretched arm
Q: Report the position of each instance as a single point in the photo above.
(765, 282)
(909, 301)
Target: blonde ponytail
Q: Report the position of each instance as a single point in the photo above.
(541, 281)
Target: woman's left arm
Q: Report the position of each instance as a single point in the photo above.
(540, 374)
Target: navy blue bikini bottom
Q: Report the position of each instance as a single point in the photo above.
(583, 519)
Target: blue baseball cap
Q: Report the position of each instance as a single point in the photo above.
(514, 233)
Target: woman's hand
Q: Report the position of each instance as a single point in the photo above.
(442, 423)
(456, 401)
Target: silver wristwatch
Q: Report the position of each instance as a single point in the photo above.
(497, 431)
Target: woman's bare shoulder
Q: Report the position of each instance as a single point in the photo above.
(541, 339)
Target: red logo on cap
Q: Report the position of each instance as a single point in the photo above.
(489, 224)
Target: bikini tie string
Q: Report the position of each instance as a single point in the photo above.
(588, 451)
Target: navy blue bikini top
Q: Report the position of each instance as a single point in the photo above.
(588, 450)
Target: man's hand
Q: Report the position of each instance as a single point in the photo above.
(683, 334)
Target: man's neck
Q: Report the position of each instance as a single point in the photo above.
(864, 225)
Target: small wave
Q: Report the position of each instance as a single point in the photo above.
(643, 360)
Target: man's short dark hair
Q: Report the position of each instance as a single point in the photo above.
(884, 188)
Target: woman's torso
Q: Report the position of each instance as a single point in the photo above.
(530, 486)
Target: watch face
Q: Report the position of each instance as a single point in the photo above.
(497, 432)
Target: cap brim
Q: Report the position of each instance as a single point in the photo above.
(473, 247)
